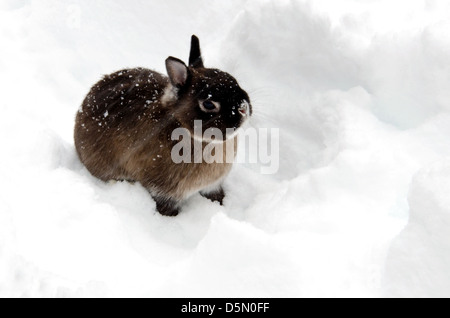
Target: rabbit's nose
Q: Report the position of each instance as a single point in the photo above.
(243, 108)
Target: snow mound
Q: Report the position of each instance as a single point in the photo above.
(418, 261)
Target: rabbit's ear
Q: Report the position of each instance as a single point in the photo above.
(195, 57)
(177, 71)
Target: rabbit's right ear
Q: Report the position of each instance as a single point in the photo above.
(177, 71)
(195, 57)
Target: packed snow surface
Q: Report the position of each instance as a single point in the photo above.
(360, 206)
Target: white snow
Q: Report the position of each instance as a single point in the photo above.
(360, 205)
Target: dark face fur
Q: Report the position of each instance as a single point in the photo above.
(218, 100)
(209, 95)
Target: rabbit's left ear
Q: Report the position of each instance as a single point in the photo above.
(177, 71)
(195, 57)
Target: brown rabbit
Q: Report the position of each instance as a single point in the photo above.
(123, 130)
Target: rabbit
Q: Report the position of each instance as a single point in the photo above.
(123, 130)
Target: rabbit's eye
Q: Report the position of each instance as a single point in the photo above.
(209, 106)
